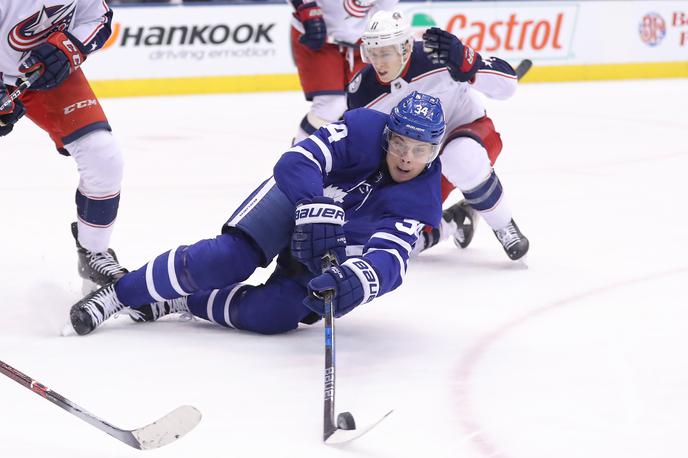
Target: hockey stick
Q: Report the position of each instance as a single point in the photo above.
(523, 68)
(344, 430)
(335, 41)
(162, 432)
(25, 84)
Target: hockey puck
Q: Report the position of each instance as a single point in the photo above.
(346, 421)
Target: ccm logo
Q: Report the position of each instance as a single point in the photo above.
(78, 105)
(76, 55)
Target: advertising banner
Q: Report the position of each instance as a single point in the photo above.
(183, 41)
(182, 49)
(554, 33)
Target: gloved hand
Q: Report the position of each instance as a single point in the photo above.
(445, 48)
(55, 59)
(311, 16)
(318, 229)
(355, 282)
(11, 113)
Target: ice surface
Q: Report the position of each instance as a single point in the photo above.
(581, 354)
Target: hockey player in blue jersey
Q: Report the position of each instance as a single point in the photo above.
(442, 66)
(362, 188)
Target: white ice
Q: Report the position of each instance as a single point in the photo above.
(579, 353)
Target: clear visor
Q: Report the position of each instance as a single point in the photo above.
(409, 149)
(379, 55)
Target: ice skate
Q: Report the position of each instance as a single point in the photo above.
(514, 242)
(97, 269)
(462, 218)
(91, 311)
(151, 312)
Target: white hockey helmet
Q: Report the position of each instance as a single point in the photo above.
(387, 28)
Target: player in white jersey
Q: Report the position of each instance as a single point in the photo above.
(52, 38)
(445, 68)
(325, 39)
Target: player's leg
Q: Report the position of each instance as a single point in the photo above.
(272, 308)
(258, 230)
(205, 265)
(323, 77)
(324, 110)
(75, 121)
(466, 163)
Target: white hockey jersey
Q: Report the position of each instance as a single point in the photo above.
(346, 20)
(24, 24)
(460, 102)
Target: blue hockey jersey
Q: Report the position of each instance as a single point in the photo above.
(346, 161)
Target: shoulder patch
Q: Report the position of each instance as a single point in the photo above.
(355, 83)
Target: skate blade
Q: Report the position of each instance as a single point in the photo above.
(68, 330)
(87, 287)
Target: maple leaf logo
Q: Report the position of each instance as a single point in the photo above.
(335, 193)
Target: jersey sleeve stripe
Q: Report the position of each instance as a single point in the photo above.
(393, 238)
(354, 250)
(100, 34)
(395, 253)
(430, 73)
(325, 151)
(93, 34)
(496, 73)
(377, 100)
(308, 154)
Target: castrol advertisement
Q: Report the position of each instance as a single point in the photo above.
(508, 30)
(555, 33)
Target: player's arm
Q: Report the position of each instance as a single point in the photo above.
(300, 175)
(491, 76)
(495, 78)
(380, 269)
(301, 171)
(64, 52)
(310, 16)
(93, 26)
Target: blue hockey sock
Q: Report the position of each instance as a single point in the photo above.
(97, 211)
(215, 305)
(208, 264)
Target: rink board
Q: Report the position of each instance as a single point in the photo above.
(245, 48)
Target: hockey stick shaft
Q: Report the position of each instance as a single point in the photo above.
(162, 432)
(62, 402)
(523, 68)
(329, 426)
(19, 90)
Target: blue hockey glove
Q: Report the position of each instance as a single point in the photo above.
(318, 229)
(55, 59)
(445, 48)
(315, 31)
(355, 282)
(11, 112)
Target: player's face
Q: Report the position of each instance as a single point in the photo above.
(386, 61)
(406, 157)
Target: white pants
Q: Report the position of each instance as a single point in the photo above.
(324, 110)
(466, 164)
(100, 164)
